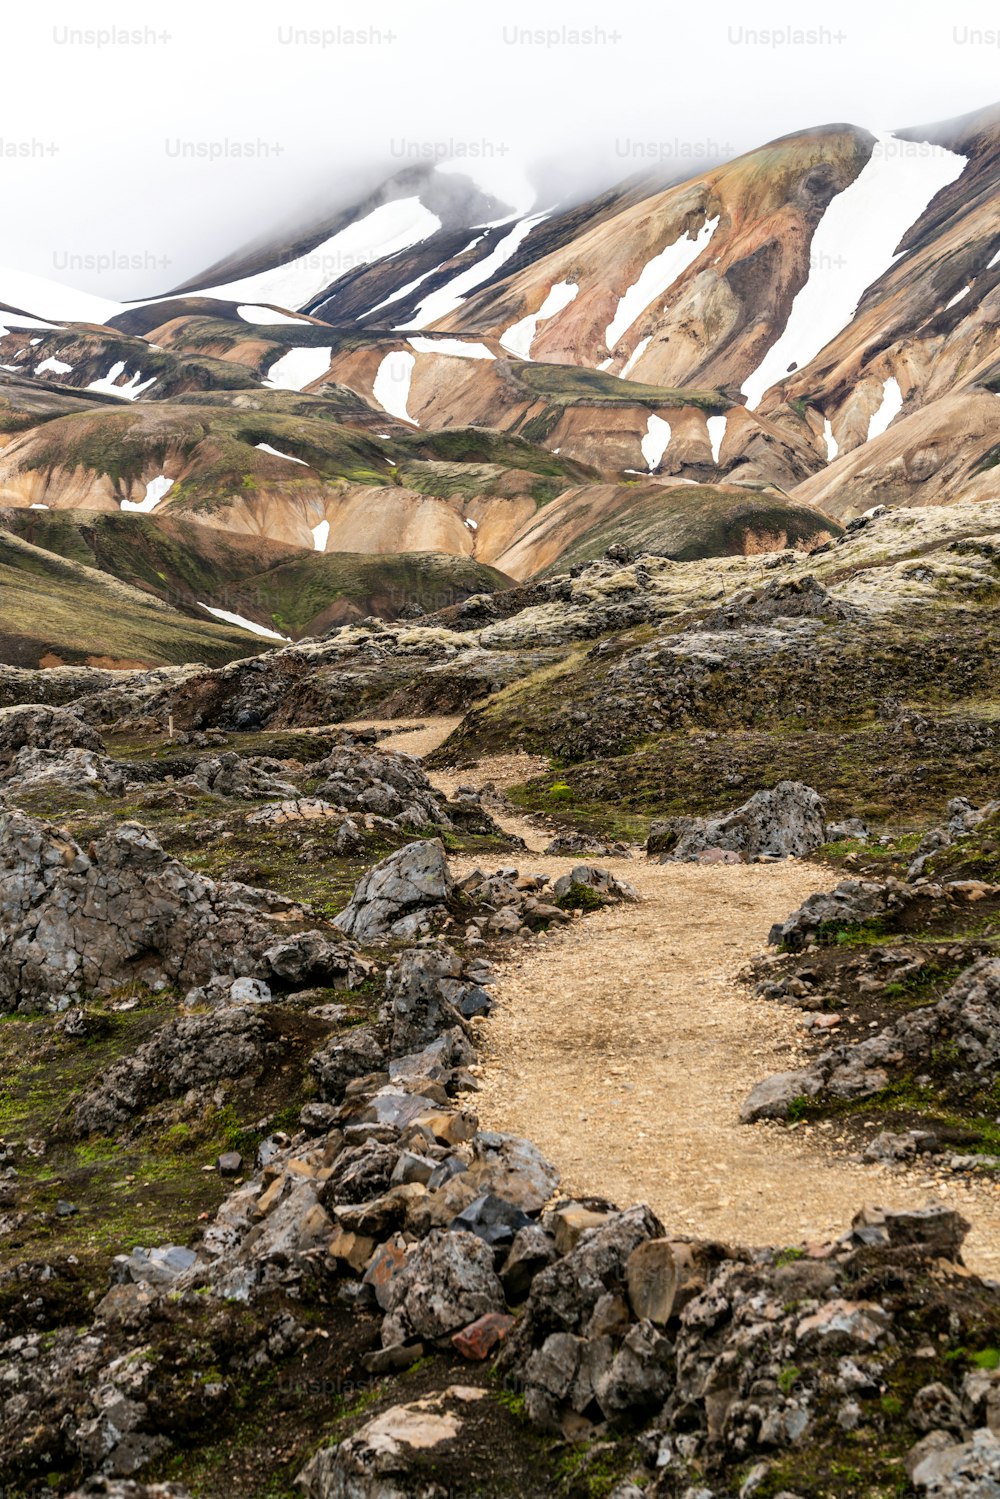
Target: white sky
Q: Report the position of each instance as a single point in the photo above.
(681, 78)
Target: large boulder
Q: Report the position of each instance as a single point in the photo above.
(34, 726)
(786, 822)
(73, 921)
(447, 1282)
(384, 782)
(395, 898)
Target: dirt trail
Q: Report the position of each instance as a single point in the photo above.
(623, 1046)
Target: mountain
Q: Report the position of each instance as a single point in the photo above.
(750, 357)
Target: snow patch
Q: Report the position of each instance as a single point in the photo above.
(298, 368)
(245, 624)
(38, 506)
(391, 386)
(716, 432)
(656, 277)
(473, 525)
(635, 356)
(989, 266)
(656, 440)
(265, 447)
(892, 405)
(519, 337)
(155, 490)
(404, 291)
(456, 347)
(832, 445)
(454, 292)
(130, 391)
(854, 244)
(53, 366)
(955, 300)
(605, 364)
(321, 535)
(385, 231)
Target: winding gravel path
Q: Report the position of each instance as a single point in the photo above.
(623, 1045)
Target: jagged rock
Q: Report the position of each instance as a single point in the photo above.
(850, 902)
(377, 1462)
(396, 896)
(786, 822)
(389, 784)
(936, 1408)
(943, 1469)
(124, 910)
(447, 1282)
(77, 772)
(640, 1374)
(354, 1054)
(33, 726)
(967, 1019)
(157, 1267)
(126, 1488)
(600, 882)
(532, 1250)
(313, 958)
(422, 989)
(936, 1230)
(243, 779)
(848, 828)
(183, 1054)
(585, 843)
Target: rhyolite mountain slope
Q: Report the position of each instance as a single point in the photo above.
(795, 335)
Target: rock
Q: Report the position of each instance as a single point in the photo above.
(601, 883)
(421, 990)
(844, 1324)
(390, 784)
(394, 898)
(32, 726)
(185, 1053)
(126, 1488)
(124, 910)
(532, 1250)
(786, 822)
(241, 778)
(155, 1267)
(851, 828)
(513, 1169)
(570, 1221)
(936, 1408)
(937, 1231)
(447, 1282)
(640, 1374)
(314, 958)
(377, 1462)
(771, 1098)
(478, 1340)
(230, 1163)
(963, 1470)
(652, 1276)
(493, 1220)
(852, 902)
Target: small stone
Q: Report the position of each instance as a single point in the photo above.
(229, 1163)
(478, 1340)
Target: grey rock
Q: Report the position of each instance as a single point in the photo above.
(447, 1282)
(788, 821)
(395, 897)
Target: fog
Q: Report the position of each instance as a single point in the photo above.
(139, 144)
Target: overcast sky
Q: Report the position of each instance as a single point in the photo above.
(99, 134)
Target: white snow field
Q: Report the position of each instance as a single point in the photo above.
(716, 432)
(458, 348)
(656, 440)
(391, 386)
(128, 392)
(832, 445)
(518, 338)
(43, 298)
(244, 624)
(155, 491)
(298, 368)
(265, 447)
(656, 277)
(854, 244)
(454, 292)
(321, 535)
(385, 231)
(892, 405)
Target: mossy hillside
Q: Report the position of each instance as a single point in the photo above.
(564, 385)
(54, 610)
(699, 520)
